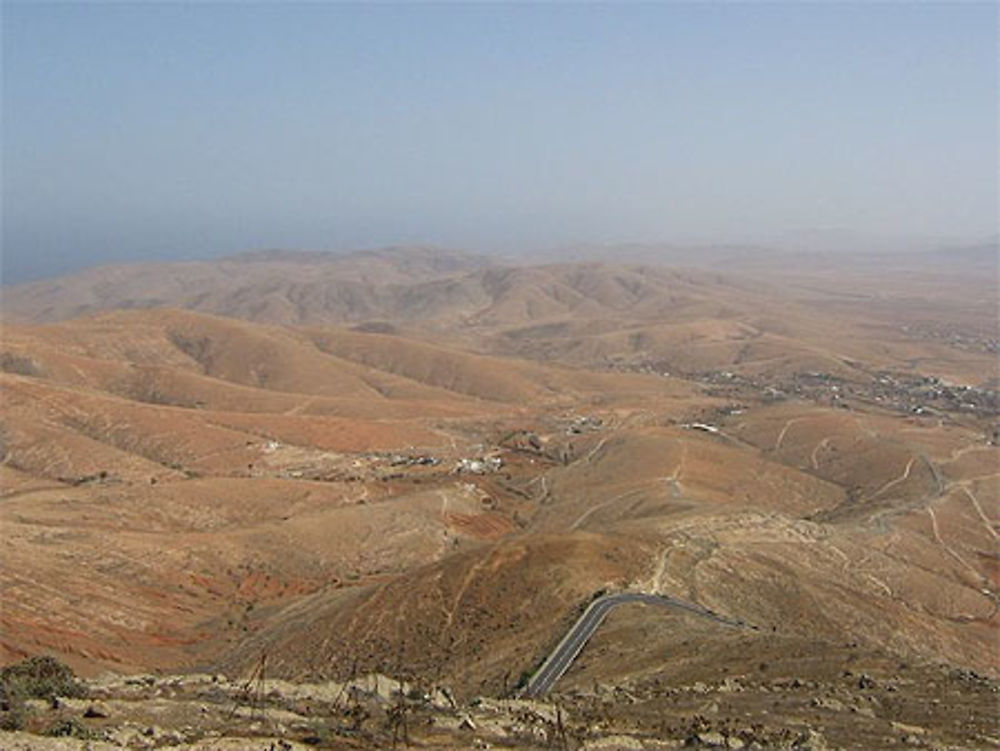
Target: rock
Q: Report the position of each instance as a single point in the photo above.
(37, 705)
(97, 710)
(614, 743)
(127, 736)
(442, 698)
(730, 685)
(735, 742)
(466, 723)
(22, 741)
(911, 729)
(812, 742)
(828, 702)
(140, 680)
(712, 738)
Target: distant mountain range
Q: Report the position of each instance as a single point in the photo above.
(397, 284)
(424, 284)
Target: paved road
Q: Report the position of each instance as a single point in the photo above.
(572, 643)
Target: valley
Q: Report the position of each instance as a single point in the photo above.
(424, 465)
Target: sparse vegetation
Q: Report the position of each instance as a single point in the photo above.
(13, 710)
(11, 362)
(69, 727)
(40, 677)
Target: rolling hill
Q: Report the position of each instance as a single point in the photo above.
(426, 463)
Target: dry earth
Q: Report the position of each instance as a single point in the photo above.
(423, 464)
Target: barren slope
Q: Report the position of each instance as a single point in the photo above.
(440, 489)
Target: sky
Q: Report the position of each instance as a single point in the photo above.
(136, 131)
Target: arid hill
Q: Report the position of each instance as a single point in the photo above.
(766, 312)
(269, 286)
(425, 464)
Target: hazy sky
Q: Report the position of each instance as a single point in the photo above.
(180, 130)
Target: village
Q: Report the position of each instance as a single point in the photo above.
(906, 393)
(508, 453)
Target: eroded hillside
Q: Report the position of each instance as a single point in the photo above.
(435, 488)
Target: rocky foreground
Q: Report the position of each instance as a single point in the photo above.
(932, 707)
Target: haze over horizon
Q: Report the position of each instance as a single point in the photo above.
(140, 132)
(582, 376)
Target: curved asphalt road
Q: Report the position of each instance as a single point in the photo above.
(562, 656)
